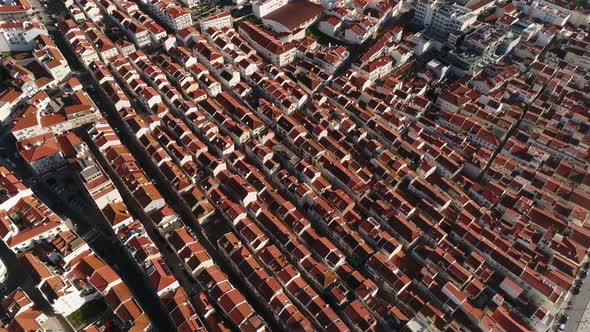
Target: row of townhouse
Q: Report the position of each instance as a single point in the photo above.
(175, 145)
(69, 275)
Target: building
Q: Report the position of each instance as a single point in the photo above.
(268, 46)
(578, 57)
(440, 17)
(48, 55)
(171, 15)
(43, 154)
(99, 187)
(556, 13)
(329, 25)
(358, 33)
(262, 8)
(70, 111)
(21, 312)
(190, 3)
(478, 49)
(9, 101)
(19, 36)
(24, 220)
(137, 32)
(78, 42)
(216, 21)
(282, 20)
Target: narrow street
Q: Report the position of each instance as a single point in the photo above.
(91, 225)
(424, 169)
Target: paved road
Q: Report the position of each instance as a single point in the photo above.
(169, 255)
(579, 310)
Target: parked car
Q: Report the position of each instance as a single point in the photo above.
(563, 319)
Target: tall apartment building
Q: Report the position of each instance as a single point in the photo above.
(478, 48)
(440, 17)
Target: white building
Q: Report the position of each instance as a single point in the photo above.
(19, 10)
(19, 36)
(190, 3)
(170, 14)
(52, 60)
(71, 298)
(441, 18)
(38, 224)
(217, 21)
(283, 21)
(329, 25)
(547, 12)
(555, 12)
(358, 33)
(264, 7)
(578, 57)
(8, 101)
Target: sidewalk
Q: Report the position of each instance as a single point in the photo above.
(584, 324)
(579, 313)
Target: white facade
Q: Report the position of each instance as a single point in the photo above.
(442, 18)
(263, 8)
(142, 38)
(223, 20)
(547, 12)
(19, 36)
(190, 3)
(71, 301)
(7, 107)
(551, 13)
(31, 242)
(328, 28)
(581, 59)
(60, 72)
(173, 16)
